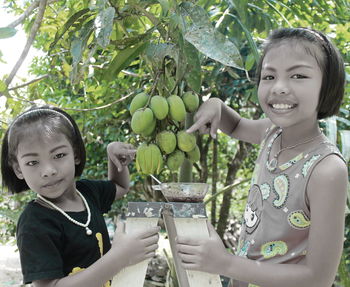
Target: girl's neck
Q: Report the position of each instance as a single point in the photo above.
(294, 135)
(70, 201)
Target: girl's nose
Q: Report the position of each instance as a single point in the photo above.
(280, 89)
(48, 170)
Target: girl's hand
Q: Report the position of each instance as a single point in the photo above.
(207, 119)
(205, 255)
(121, 154)
(132, 248)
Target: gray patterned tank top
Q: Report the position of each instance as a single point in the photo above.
(277, 219)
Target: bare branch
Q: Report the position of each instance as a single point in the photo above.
(29, 83)
(34, 30)
(100, 107)
(79, 110)
(26, 13)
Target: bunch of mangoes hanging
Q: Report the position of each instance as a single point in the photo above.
(169, 144)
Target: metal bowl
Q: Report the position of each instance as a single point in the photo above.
(182, 191)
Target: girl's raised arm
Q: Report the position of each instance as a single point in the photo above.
(215, 114)
(119, 156)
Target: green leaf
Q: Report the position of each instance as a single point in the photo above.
(67, 25)
(331, 129)
(10, 214)
(7, 32)
(345, 144)
(123, 60)
(207, 39)
(78, 46)
(249, 63)
(249, 37)
(279, 13)
(104, 26)
(193, 74)
(155, 53)
(3, 86)
(165, 6)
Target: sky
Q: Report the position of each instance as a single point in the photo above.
(11, 48)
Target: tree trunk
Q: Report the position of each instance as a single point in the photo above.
(214, 181)
(233, 167)
(186, 168)
(204, 148)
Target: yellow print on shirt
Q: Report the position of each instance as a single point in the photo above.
(273, 248)
(100, 245)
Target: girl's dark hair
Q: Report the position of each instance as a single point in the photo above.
(51, 120)
(331, 65)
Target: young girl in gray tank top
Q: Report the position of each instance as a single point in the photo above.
(293, 228)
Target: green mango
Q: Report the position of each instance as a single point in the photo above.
(141, 120)
(191, 101)
(185, 141)
(160, 107)
(138, 102)
(149, 130)
(177, 108)
(166, 141)
(149, 159)
(194, 155)
(175, 160)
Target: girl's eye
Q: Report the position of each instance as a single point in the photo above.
(32, 163)
(59, 155)
(268, 78)
(298, 76)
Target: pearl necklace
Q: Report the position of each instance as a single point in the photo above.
(271, 165)
(85, 225)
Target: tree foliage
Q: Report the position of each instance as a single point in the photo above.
(99, 54)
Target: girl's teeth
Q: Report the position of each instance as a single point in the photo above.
(282, 106)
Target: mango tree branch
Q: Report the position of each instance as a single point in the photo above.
(21, 99)
(26, 13)
(33, 32)
(29, 83)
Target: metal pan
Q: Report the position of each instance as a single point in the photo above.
(182, 191)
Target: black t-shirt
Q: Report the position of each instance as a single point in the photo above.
(53, 247)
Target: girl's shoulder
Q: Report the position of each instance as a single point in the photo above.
(36, 218)
(325, 166)
(100, 193)
(88, 185)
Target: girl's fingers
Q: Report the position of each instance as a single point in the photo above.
(150, 255)
(197, 125)
(117, 163)
(189, 266)
(148, 233)
(182, 240)
(186, 249)
(186, 258)
(213, 129)
(204, 130)
(150, 240)
(151, 248)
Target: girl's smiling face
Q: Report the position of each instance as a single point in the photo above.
(47, 164)
(290, 84)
